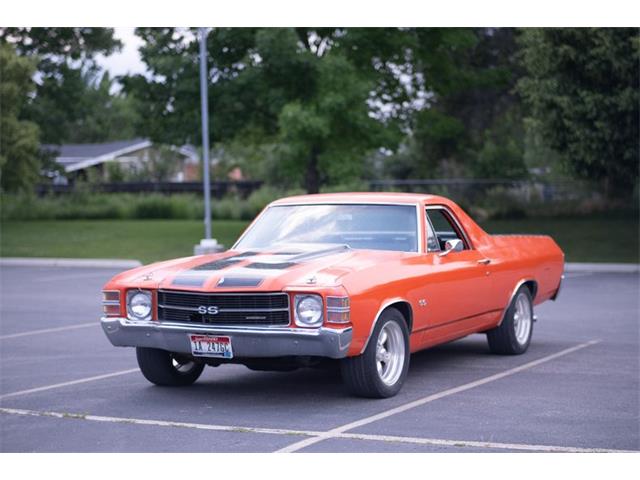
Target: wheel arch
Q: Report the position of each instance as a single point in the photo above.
(532, 286)
(400, 304)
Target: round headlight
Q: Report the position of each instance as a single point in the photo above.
(308, 310)
(139, 305)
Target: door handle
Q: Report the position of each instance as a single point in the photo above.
(484, 261)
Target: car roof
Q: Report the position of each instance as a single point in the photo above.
(364, 197)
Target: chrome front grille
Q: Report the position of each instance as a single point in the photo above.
(233, 309)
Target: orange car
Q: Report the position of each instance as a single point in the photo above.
(365, 278)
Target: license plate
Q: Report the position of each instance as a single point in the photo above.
(210, 346)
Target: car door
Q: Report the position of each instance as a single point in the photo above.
(457, 285)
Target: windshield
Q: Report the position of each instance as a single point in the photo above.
(375, 227)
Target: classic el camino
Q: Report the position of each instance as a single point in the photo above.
(360, 278)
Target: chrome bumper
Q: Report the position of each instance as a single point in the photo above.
(245, 341)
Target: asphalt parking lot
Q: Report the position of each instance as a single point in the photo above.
(63, 387)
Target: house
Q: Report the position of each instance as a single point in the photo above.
(137, 159)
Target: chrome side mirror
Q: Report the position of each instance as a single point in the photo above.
(454, 245)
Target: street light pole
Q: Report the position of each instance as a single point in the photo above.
(205, 131)
(207, 245)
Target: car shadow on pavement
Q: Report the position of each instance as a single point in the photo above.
(239, 385)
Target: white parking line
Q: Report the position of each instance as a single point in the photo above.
(474, 444)
(310, 433)
(430, 398)
(158, 423)
(49, 330)
(66, 384)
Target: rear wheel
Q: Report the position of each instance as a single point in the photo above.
(166, 368)
(381, 370)
(513, 335)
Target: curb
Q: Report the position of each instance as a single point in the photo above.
(602, 267)
(69, 262)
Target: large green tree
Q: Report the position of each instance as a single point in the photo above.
(467, 121)
(72, 101)
(321, 105)
(448, 91)
(582, 86)
(19, 146)
(296, 88)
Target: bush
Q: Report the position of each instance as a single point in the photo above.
(495, 203)
(161, 206)
(500, 203)
(84, 205)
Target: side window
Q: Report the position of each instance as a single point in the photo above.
(444, 226)
(432, 241)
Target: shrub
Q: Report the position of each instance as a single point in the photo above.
(161, 206)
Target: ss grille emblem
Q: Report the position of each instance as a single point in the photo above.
(211, 310)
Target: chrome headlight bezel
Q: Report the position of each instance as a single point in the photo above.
(142, 298)
(303, 305)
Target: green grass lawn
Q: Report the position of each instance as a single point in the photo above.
(144, 240)
(582, 239)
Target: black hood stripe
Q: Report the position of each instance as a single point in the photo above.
(198, 275)
(230, 282)
(217, 264)
(190, 280)
(271, 266)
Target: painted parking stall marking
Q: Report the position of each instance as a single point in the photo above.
(72, 382)
(49, 330)
(309, 433)
(159, 423)
(430, 398)
(312, 436)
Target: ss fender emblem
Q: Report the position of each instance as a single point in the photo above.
(212, 310)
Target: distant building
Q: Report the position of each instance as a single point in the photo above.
(99, 161)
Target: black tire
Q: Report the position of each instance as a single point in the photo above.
(360, 374)
(503, 339)
(158, 367)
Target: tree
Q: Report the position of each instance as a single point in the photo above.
(19, 145)
(472, 124)
(58, 46)
(451, 92)
(327, 136)
(582, 88)
(296, 88)
(326, 99)
(72, 100)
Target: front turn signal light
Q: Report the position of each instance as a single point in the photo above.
(338, 310)
(111, 303)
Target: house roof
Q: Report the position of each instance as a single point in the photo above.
(77, 156)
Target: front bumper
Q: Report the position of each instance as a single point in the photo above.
(246, 341)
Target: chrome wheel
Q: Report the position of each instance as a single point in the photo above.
(390, 353)
(182, 364)
(522, 318)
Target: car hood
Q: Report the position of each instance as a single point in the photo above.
(258, 270)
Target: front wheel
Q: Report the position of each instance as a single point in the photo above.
(166, 368)
(513, 335)
(381, 370)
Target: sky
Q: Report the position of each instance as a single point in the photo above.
(128, 59)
